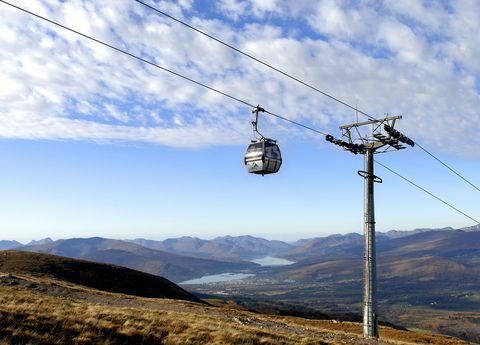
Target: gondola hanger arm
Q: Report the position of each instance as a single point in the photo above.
(255, 111)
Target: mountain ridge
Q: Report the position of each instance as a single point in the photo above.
(220, 247)
(172, 266)
(187, 257)
(5, 244)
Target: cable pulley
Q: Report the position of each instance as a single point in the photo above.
(354, 148)
(399, 136)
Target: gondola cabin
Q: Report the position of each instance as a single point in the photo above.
(263, 157)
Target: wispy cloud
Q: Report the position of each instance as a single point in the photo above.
(419, 58)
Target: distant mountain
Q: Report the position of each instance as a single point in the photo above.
(443, 254)
(449, 244)
(42, 241)
(94, 275)
(225, 247)
(181, 245)
(471, 228)
(351, 245)
(171, 266)
(331, 246)
(414, 269)
(185, 258)
(244, 246)
(9, 244)
(403, 233)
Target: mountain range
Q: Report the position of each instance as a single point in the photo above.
(226, 247)
(172, 266)
(420, 273)
(185, 258)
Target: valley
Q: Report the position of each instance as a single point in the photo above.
(449, 308)
(428, 278)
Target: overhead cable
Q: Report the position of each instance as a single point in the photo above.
(253, 58)
(446, 166)
(161, 67)
(426, 191)
(278, 70)
(212, 89)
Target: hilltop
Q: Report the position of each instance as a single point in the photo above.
(94, 275)
(35, 299)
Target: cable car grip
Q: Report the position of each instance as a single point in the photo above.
(257, 109)
(365, 174)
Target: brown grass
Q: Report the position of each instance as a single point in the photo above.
(37, 311)
(28, 317)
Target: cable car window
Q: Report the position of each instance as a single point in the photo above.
(269, 151)
(255, 147)
(279, 155)
(270, 144)
(273, 153)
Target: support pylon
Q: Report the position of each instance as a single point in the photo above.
(374, 141)
(370, 322)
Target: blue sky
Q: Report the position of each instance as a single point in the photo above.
(96, 144)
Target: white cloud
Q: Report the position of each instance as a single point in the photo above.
(413, 58)
(185, 3)
(235, 9)
(232, 8)
(400, 39)
(332, 19)
(263, 7)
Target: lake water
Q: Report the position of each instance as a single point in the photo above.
(272, 261)
(217, 278)
(266, 261)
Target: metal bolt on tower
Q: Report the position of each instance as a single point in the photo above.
(374, 139)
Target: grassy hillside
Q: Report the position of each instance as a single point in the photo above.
(428, 279)
(91, 274)
(43, 310)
